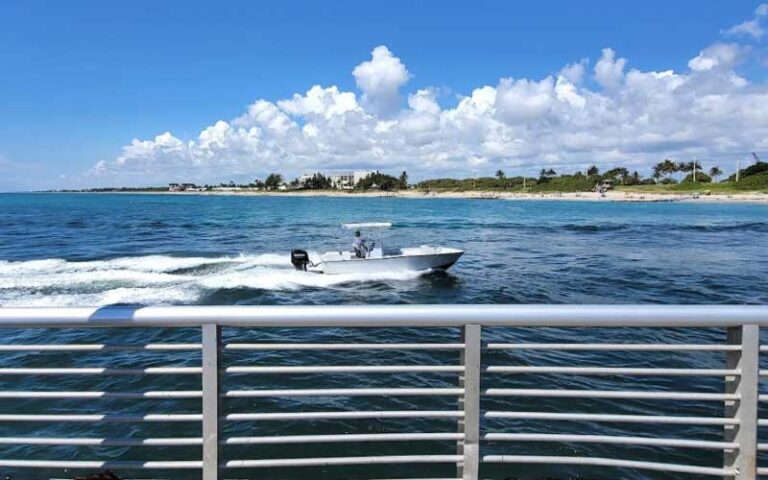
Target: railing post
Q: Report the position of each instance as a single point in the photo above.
(743, 459)
(211, 398)
(468, 469)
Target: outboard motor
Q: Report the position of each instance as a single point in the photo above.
(300, 260)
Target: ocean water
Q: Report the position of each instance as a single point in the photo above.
(86, 249)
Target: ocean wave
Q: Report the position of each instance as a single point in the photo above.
(589, 227)
(160, 279)
(726, 227)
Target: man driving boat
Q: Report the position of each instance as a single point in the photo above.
(359, 246)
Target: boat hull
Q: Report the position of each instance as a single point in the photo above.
(404, 263)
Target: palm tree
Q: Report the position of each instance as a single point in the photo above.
(715, 172)
(500, 174)
(670, 167)
(593, 170)
(664, 168)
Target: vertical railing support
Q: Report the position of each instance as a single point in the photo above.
(469, 381)
(211, 343)
(743, 459)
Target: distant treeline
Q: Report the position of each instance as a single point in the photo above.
(752, 177)
(666, 172)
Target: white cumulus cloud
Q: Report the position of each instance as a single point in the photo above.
(619, 115)
(380, 79)
(609, 71)
(717, 56)
(754, 27)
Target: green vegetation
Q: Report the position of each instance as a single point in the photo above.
(752, 178)
(382, 181)
(759, 167)
(701, 177)
(753, 183)
(665, 178)
(273, 181)
(480, 183)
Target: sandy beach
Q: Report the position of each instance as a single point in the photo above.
(611, 196)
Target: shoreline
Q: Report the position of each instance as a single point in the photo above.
(611, 196)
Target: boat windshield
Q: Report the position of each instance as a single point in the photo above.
(374, 248)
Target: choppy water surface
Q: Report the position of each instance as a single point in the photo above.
(140, 249)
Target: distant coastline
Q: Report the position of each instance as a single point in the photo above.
(618, 195)
(746, 185)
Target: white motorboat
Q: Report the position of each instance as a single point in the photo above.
(374, 259)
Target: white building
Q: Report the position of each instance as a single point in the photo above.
(339, 180)
(306, 177)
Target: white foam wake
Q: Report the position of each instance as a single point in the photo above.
(159, 279)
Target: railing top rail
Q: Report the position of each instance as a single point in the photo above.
(389, 315)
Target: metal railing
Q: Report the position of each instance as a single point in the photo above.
(484, 429)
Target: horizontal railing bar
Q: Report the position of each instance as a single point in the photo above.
(609, 462)
(346, 369)
(615, 371)
(623, 394)
(374, 437)
(598, 417)
(344, 415)
(102, 371)
(77, 464)
(100, 347)
(106, 395)
(117, 442)
(607, 439)
(389, 315)
(643, 347)
(344, 346)
(153, 417)
(345, 392)
(317, 462)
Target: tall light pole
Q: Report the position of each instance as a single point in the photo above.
(695, 163)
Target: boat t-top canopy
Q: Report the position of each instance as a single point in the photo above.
(355, 226)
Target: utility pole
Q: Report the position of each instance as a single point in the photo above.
(695, 162)
(738, 167)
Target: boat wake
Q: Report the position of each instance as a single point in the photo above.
(160, 279)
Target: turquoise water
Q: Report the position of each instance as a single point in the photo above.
(142, 249)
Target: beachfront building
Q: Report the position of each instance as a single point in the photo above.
(183, 187)
(342, 181)
(338, 180)
(348, 180)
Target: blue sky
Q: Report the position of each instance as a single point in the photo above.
(81, 80)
